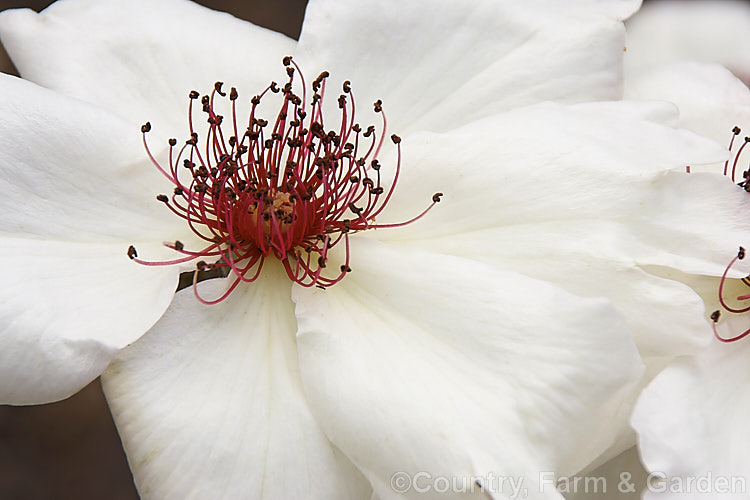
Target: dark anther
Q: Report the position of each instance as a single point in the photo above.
(321, 262)
(347, 86)
(205, 99)
(217, 88)
(715, 316)
(736, 130)
(436, 197)
(290, 71)
(233, 94)
(178, 191)
(378, 105)
(162, 198)
(317, 83)
(357, 128)
(274, 87)
(146, 127)
(287, 60)
(342, 101)
(172, 142)
(370, 130)
(203, 266)
(255, 100)
(178, 245)
(747, 139)
(345, 268)
(375, 164)
(194, 94)
(396, 139)
(132, 253)
(377, 191)
(741, 253)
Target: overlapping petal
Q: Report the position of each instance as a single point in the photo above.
(691, 422)
(712, 101)
(584, 199)
(66, 308)
(140, 58)
(438, 65)
(209, 403)
(74, 199)
(422, 362)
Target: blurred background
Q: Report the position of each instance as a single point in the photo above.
(70, 450)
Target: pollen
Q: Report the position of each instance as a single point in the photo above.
(288, 189)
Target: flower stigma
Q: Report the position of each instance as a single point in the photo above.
(287, 189)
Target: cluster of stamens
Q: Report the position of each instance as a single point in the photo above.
(287, 188)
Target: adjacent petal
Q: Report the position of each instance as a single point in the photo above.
(75, 172)
(691, 422)
(422, 362)
(541, 163)
(583, 198)
(66, 309)
(209, 403)
(712, 100)
(437, 65)
(139, 58)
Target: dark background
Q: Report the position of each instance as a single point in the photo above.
(70, 450)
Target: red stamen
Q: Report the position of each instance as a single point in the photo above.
(289, 189)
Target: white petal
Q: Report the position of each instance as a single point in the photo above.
(538, 164)
(440, 64)
(140, 58)
(557, 164)
(74, 172)
(209, 403)
(421, 362)
(710, 31)
(712, 100)
(691, 421)
(66, 309)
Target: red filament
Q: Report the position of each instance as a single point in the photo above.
(288, 188)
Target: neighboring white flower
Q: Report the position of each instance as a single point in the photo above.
(492, 337)
(690, 420)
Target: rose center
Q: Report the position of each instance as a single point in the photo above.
(288, 189)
